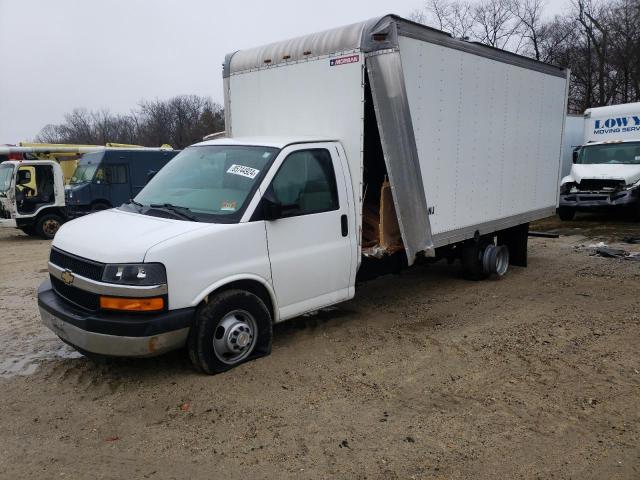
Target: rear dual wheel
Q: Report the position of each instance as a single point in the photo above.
(482, 258)
(234, 326)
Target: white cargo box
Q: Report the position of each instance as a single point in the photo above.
(470, 136)
(612, 123)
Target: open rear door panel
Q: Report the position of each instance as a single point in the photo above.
(400, 151)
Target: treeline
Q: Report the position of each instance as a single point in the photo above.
(598, 40)
(179, 121)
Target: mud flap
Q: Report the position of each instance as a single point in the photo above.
(517, 240)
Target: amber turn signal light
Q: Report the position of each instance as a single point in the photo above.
(132, 304)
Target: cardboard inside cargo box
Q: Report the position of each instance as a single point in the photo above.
(380, 229)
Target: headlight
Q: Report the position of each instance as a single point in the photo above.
(135, 274)
(565, 189)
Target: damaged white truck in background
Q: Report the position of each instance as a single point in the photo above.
(353, 152)
(606, 169)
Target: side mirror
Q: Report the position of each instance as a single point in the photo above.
(272, 209)
(575, 156)
(24, 177)
(151, 174)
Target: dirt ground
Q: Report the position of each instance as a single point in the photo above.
(423, 375)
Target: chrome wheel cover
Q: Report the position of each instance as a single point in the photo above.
(235, 337)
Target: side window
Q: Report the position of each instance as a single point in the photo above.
(114, 174)
(306, 183)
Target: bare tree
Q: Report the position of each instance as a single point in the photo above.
(497, 25)
(179, 121)
(453, 17)
(529, 13)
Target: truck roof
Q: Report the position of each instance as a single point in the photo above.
(625, 108)
(274, 142)
(373, 35)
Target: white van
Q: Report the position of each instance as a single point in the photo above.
(387, 161)
(606, 170)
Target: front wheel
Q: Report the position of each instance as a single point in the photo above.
(566, 214)
(232, 327)
(47, 225)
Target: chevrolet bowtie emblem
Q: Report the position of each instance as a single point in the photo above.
(67, 277)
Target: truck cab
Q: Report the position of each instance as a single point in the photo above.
(605, 174)
(230, 237)
(108, 178)
(32, 196)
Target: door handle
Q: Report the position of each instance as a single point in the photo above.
(344, 223)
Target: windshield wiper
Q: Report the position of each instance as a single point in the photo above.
(182, 211)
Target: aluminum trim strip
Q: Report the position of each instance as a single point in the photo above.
(466, 233)
(101, 288)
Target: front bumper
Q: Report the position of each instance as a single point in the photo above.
(118, 335)
(591, 200)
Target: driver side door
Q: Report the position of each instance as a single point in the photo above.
(310, 247)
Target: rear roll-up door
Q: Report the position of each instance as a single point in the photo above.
(400, 151)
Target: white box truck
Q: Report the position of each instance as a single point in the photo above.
(353, 151)
(605, 174)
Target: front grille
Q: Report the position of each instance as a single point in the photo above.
(86, 300)
(592, 185)
(78, 265)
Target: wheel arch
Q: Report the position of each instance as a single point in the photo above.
(100, 201)
(250, 283)
(60, 211)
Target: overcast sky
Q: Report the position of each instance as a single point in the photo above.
(56, 55)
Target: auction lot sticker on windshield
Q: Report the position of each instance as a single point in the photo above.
(243, 171)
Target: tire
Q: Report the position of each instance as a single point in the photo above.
(472, 255)
(47, 225)
(233, 327)
(566, 214)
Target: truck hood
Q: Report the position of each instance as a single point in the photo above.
(630, 174)
(114, 236)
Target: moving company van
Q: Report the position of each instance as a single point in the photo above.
(606, 169)
(352, 152)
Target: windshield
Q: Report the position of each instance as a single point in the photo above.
(86, 169)
(213, 182)
(611, 153)
(6, 173)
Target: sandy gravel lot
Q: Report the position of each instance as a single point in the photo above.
(423, 375)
